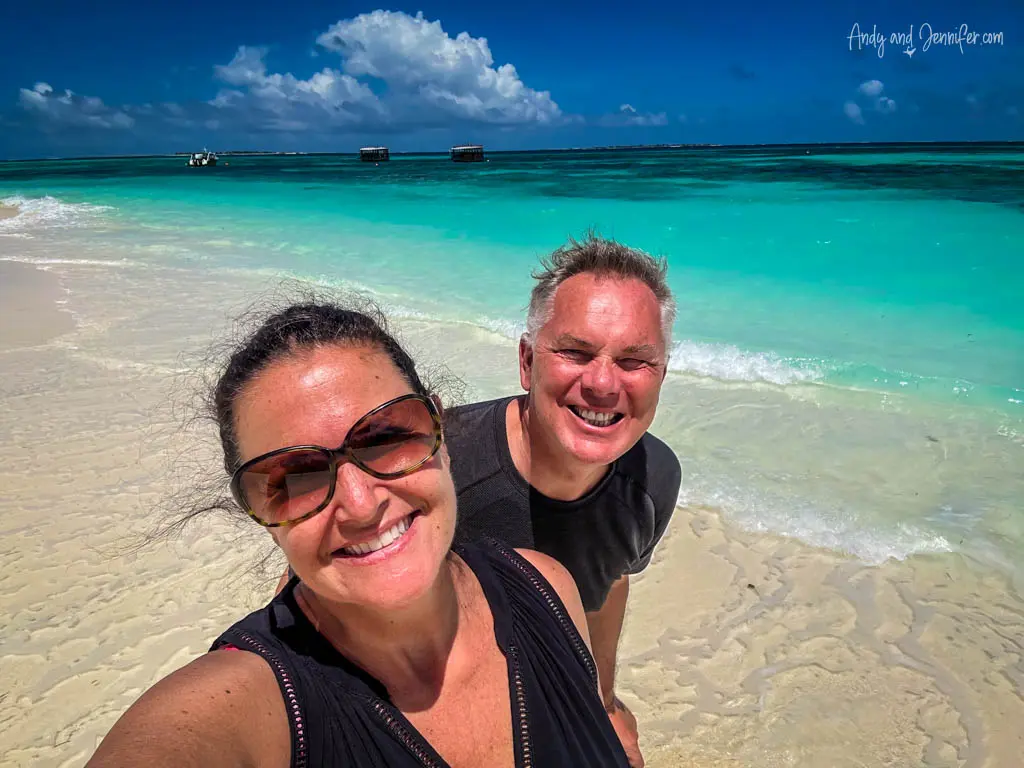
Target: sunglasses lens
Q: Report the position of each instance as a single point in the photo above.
(395, 439)
(287, 486)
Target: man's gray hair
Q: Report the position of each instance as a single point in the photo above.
(604, 258)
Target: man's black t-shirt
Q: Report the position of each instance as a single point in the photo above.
(610, 531)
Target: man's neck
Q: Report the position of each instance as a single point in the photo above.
(408, 651)
(543, 463)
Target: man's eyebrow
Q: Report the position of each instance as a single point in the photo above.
(641, 349)
(568, 340)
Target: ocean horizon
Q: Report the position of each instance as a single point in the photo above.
(867, 146)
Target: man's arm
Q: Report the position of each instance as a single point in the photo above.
(605, 628)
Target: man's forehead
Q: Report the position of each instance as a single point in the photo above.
(588, 301)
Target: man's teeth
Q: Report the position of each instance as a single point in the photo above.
(595, 418)
(389, 536)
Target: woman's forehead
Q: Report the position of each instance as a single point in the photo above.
(314, 398)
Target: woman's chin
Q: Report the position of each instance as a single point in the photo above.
(395, 577)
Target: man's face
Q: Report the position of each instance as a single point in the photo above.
(594, 373)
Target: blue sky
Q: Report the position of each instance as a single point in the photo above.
(119, 77)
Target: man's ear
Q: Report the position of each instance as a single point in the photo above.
(525, 362)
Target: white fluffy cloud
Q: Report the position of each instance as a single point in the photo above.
(423, 67)
(287, 103)
(885, 105)
(872, 89)
(629, 116)
(70, 108)
(853, 111)
(428, 77)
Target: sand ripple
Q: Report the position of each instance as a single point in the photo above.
(740, 649)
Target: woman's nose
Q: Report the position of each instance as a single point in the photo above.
(357, 495)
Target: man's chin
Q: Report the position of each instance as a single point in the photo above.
(596, 446)
(597, 453)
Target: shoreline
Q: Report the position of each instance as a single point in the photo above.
(740, 648)
(32, 309)
(8, 211)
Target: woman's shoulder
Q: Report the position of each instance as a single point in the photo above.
(531, 577)
(558, 576)
(223, 708)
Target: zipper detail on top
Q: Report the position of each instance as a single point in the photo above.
(401, 733)
(291, 703)
(521, 733)
(567, 625)
(523, 724)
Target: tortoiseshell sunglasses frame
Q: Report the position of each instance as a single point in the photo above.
(335, 457)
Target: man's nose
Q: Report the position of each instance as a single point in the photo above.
(601, 377)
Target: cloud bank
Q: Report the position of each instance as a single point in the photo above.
(427, 78)
(71, 109)
(392, 72)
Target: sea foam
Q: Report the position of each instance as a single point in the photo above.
(837, 529)
(729, 363)
(47, 212)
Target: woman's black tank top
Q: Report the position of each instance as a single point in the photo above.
(341, 716)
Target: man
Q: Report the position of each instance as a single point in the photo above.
(569, 468)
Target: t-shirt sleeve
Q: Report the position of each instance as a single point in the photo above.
(665, 478)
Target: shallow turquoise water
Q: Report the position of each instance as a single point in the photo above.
(870, 268)
(891, 270)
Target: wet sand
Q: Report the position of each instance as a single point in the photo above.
(740, 648)
(31, 306)
(8, 212)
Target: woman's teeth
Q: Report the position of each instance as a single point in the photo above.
(389, 536)
(594, 418)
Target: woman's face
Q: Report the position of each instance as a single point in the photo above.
(313, 398)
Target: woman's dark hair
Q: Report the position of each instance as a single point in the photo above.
(293, 320)
(297, 329)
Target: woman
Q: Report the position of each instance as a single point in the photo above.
(386, 648)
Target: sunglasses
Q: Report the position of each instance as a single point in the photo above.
(289, 485)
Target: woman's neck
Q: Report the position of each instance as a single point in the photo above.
(407, 650)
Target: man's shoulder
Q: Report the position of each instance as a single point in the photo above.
(652, 464)
(465, 419)
(473, 442)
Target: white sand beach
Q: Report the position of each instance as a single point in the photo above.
(741, 649)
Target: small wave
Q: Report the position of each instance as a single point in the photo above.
(47, 212)
(48, 261)
(838, 530)
(729, 363)
(511, 329)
